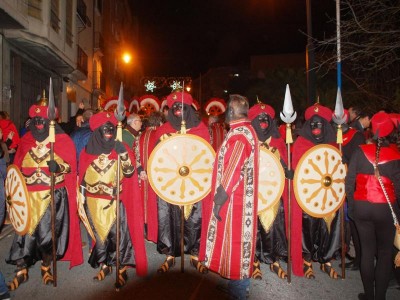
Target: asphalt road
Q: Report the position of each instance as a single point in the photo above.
(175, 285)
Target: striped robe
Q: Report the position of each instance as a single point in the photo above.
(228, 246)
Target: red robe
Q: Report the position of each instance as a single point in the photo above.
(148, 195)
(217, 133)
(64, 148)
(228, 246)
(133, 206)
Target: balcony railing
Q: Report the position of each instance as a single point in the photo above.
(82, 63)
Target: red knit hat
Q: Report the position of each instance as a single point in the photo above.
(382, 124)
(39, 111)
(261, 108)
(101, 118)
(179, 97)
(320, 110)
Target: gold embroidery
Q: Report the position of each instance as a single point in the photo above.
(328, 220)
(103, 218)
(268, 216)
(39, 202)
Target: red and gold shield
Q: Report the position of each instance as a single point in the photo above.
(180, 168)
(17, 199)
(271, 180)
(319, 181)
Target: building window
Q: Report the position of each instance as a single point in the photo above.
(99, 6)
(68, 23)
(55, 15)
(35, 9)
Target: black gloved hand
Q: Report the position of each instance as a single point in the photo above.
(220, 198)
(216, 210)
(53, 166)
(119, 147)
(289, 174)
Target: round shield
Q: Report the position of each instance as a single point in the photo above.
(271, 180)
(180, 167)
(319, 181)
(17, 200)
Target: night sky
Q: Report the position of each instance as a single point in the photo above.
(186, 38)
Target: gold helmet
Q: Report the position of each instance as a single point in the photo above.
(43, 101)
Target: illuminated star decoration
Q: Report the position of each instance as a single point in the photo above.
(150, 86)
(175, 85)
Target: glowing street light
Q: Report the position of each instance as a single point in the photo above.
(126, 57)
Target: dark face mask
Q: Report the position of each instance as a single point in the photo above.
(262, 126)
(317, 127)
(264, 121)
(40, 124)
(107, 131)
(178, 109)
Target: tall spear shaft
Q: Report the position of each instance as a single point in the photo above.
(288, 115)
(119, 115)
(183, 131)
(339, 118)
(51, 114)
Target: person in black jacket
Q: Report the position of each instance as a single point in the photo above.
(371, 167)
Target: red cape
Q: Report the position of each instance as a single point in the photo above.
(130, 197)
(64, 148)
(148, 193)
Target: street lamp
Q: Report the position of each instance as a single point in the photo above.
(127, 57)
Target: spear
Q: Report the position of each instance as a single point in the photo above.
(119, 115)
(288, 115)
(339, 118)
(51, 114)
(183, 131)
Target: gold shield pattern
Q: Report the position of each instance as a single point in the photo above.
(17, 199)
(319, 181)
(271, 180)
(180, 168)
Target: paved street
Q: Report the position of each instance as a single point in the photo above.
(78, 284)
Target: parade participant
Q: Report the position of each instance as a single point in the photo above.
(98, 192)
(215, 108)
(33, 159)
(131, 135)
(229, 237)
(169, 215)
(352, 138)
(271, 234)
(372, 166)
(155, 120)
(314, 239)
(132, 129)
